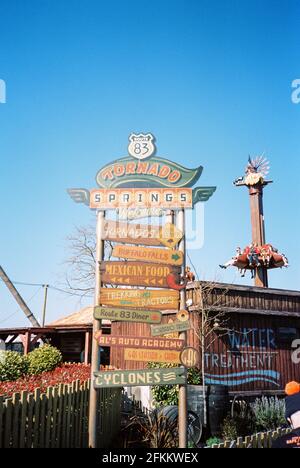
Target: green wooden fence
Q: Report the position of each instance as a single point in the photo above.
(260, 440)
(58, 418)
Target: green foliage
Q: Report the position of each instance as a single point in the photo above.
(230, 429)
(166, 395)
(269, 413)
(43, 359)
(213, 441)
(194, 376)
(12, 366)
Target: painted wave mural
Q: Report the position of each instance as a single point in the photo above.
(240, 378)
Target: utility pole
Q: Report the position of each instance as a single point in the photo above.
(17, 296)
(182, 400)
(46, 286)
(95, 358)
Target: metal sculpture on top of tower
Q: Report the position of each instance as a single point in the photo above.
(259, 256)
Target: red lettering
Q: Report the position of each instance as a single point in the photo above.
(164, 172)
(130, 168)
(174, 177)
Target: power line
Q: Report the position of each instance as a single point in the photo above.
(21, 283)
(14, 313)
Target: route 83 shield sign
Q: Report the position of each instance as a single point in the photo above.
(141, 146)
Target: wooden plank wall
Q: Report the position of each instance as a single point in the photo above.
(251, 339)
(59, 418)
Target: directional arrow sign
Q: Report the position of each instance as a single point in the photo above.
(140, 298)
(162, 256)
(166, 329)
(143, 377)
(127, 315)
(136, 274)
(152, 355)
(146, 234)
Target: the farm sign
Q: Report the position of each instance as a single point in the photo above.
(133, 378)
(167, 328)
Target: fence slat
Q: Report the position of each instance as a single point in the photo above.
(58, 418)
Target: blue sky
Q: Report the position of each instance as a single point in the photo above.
(212, 81)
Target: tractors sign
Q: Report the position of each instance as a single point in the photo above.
(140, 298)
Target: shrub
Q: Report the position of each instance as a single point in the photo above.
(213, 441)
(44, 359)
(12, 366)
(165, 395)
(64, 374)
(269, 413)
(230, 429)
(153, 430)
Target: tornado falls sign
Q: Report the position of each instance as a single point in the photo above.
(136, 274)
(143, 377)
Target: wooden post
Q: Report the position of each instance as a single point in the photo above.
(26, 343)
(258, 229)
(95, 359)
(86, 347)
(182, 401)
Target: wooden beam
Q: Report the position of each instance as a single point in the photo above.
(248, 289)
(87, 347)
(232, 310)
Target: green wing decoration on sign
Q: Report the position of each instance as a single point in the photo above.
(156, 172)
(80, 195)
(202, 194)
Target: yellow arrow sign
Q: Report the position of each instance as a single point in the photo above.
(147, 254)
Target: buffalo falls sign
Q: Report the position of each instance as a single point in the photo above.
(142, 172)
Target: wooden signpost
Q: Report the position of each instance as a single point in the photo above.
(136, 186)
(163, 256)
(146, 234)
(166, 329)
(170, 198)
(127, 315)
(143, 377)
(137, 274)
(139, 342)
(139, 298)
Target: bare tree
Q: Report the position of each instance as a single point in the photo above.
(81, 263)
(211, 324)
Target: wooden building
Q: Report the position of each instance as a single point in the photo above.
(250, 345)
